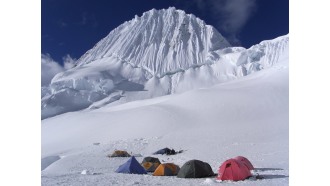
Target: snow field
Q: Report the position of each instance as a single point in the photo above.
(248, 117)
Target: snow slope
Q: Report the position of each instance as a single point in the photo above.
(160, 53)
(248, 116)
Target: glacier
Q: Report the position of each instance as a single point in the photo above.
(162, 52)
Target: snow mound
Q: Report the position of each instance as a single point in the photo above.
(46, 161)
(209, 181)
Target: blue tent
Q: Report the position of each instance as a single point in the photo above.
(162, 151)
(132, 166)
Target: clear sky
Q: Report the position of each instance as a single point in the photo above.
(71, 27)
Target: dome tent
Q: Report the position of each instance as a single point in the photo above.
(119, 153)
(195, 169)
(234, 170)
(245, 161)
(150, 164)
(166, 169)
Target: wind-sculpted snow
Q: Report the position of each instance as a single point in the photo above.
(160, 53)
(264, 55)
(160, 41)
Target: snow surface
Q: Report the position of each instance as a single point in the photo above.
(248, 116)
(162, 52)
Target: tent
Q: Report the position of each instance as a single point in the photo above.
(163, 151)
(166, 169)
(234, 170)
(195, 169)
(132, 166)
(119, 153)
(245, 161)
(150, 164)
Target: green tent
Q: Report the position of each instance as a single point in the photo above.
(195, 169)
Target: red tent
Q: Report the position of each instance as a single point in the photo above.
(245, 161)
(233, 169)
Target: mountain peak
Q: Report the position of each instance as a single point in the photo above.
(160, 40)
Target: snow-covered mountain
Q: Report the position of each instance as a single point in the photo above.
(160, 53)
(160, 42)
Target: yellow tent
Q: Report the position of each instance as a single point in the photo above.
(166, 169)
(119, 153)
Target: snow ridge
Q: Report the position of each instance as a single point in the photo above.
(162, 52)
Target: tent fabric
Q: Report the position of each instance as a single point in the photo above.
(150, 164)
(150, 167)
(163, 151)
(234, 170)
(151, 159)
(132, 166)
(166, 169)
(195, 169)
(119, 153)
(245, 161)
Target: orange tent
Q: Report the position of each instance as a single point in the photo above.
(166, 169)
(245, 161)
(233, 169)
(150, 166)
(119, 153)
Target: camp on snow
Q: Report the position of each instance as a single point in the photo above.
(233, 169)
(132, 166)
(245, 161)
(195, 169)
(119, 153)
(150, 164)
(166, 169)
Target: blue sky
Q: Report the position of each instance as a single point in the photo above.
(71, 27)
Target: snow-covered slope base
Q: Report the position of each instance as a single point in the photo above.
(248, 117)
